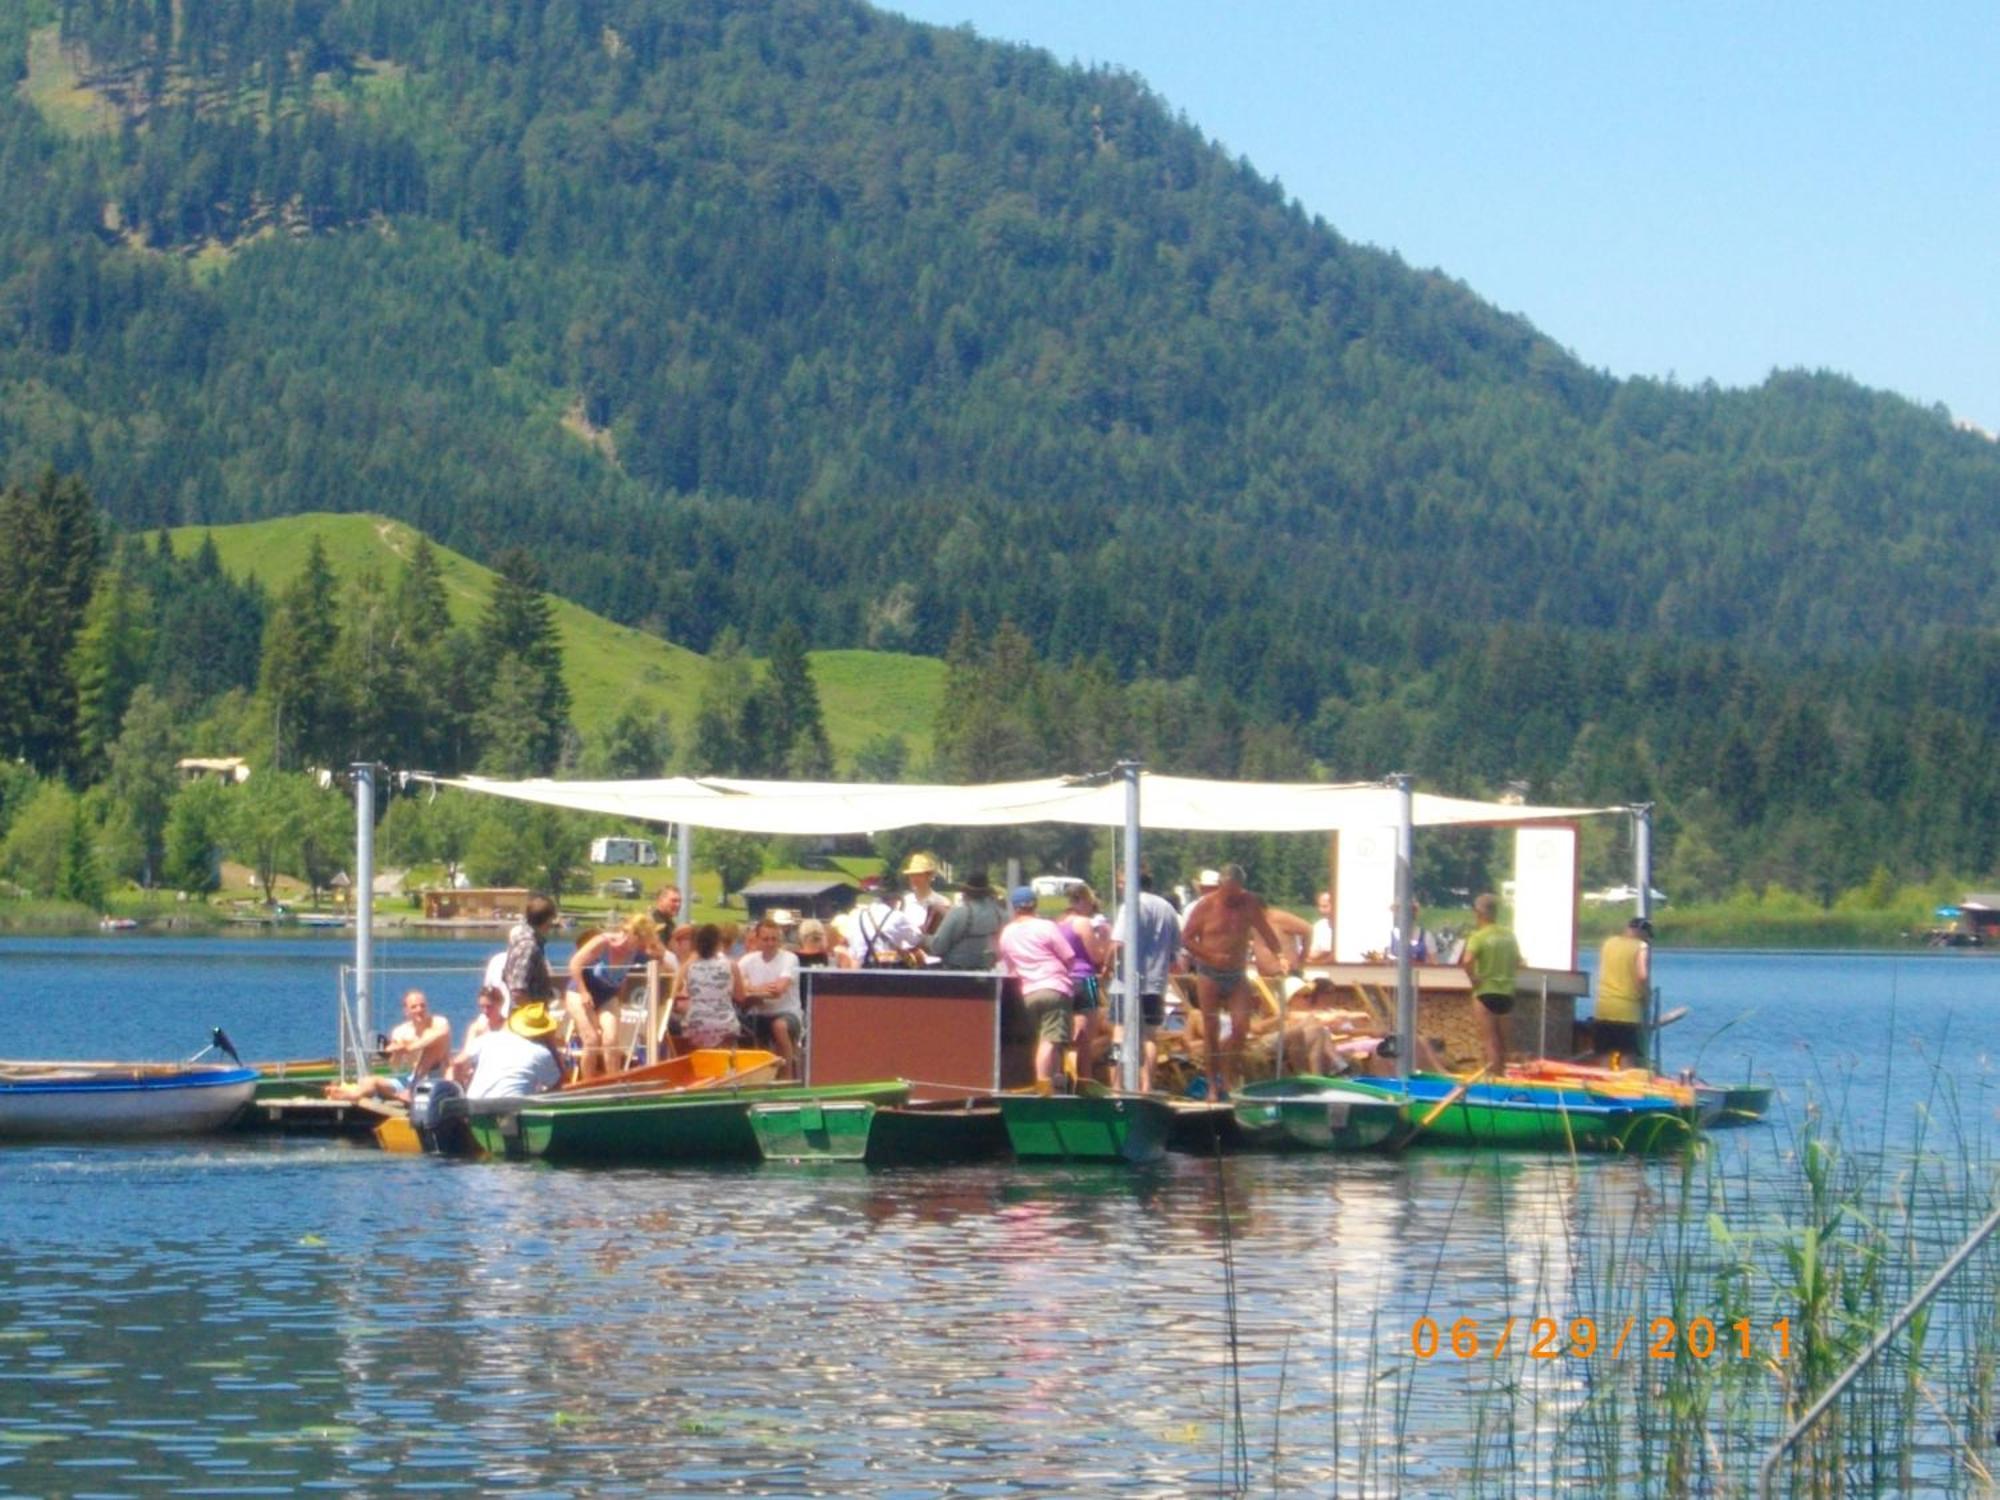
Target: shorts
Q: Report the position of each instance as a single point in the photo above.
(1087, 996)
(1049, 1010)
(1497, 1005)
(1626, 1038)
(1152, 1007)
(760, 1026)
(1225, 980)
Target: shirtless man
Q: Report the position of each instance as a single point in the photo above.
(418, 1047)
(1217, 937)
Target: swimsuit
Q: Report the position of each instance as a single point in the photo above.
(1222, 979)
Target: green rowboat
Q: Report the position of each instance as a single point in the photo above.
(1307, 1113)
(813, 1130)
(1094, 1126)
(1452, 1112)
(712, 1125)
(929, 1133)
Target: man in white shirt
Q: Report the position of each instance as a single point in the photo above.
(520, 1059)
(771, 979)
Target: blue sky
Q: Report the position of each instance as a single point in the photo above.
(1703, 190)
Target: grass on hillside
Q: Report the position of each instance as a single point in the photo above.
(864, 693)
(54, 88)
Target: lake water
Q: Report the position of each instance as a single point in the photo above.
(257, 1317)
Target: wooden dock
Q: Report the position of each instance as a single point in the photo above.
(355, 1118)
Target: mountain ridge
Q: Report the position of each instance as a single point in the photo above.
(868, 324)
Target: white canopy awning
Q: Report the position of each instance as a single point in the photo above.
(1176, 802)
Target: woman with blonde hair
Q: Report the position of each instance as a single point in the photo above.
(602, 972)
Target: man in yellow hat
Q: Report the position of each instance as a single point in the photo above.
(922, 907)
(522, 1059)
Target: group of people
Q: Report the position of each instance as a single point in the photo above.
(1261, 980)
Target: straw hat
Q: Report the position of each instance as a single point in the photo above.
(533, 1021)
(920, 864)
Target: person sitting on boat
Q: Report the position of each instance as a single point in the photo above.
(769, 974)
(521, 1058)
(1492, 961)
(714, 993)
(1309, 1046)
(1624, 984)
(602, 973)
(492, 1017)
(964, 940)
(418, 1047)
(1216, 934)
(1033, 950)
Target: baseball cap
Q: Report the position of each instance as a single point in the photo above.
(1023, 897)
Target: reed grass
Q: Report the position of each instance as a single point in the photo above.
(1811, 1222)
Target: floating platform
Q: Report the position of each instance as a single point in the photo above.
(355, 1118)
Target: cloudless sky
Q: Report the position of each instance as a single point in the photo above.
(1698, 189)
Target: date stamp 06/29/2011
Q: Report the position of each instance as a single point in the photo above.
(1579, 1338)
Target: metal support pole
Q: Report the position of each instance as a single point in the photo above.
(684, 872)
(1767, 1471)
(1642, 879)
(1406, 979)
(364, 910)
(1132, 1055)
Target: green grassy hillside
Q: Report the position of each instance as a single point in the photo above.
(864, 693)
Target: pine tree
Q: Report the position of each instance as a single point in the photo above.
(49, 546)
(520, 627)
(795, 727)
(112, 657)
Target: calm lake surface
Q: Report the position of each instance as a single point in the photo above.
(243, 1317)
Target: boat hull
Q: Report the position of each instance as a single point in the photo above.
(813, 1130)
(1131, 1128)
(1305, 1113)
(712, 1125)
(1446, 1111)
(125, 1104)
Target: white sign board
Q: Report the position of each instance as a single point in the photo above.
(1545, 887)
(1363, 914)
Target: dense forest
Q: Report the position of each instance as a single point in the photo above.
(796, 320)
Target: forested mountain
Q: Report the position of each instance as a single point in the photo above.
(745, 314)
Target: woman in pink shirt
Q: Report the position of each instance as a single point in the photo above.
(1034, 950)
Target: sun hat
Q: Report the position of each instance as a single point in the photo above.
(533, 1021)
(978, 880)
(920, 864)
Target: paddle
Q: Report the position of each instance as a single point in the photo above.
(1449, 1100)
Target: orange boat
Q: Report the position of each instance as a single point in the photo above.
(705, 1067)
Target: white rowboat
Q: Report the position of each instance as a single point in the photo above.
(98, 1101)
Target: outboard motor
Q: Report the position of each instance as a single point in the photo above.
(437, 1113)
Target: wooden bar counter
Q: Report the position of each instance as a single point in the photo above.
(951, 1034)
